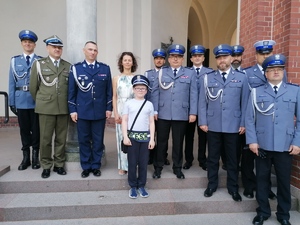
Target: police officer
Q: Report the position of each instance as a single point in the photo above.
(90, 103)
(237, 54)
(49, 88)
(273, 136)
(256, 78)
(222, 104)
(174, 97)
(197, 57)
(21, 102)
(159, 56)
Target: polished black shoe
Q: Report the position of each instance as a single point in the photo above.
(46, 173)
(208, 192)
(35, 159)
(167, 162)
(284, 222)
(259, 220)
(156, 174)
(272, 195)
(179, 174)
(26, 160)
(186, 166)
(85, 173)
(59, 170)
(203, 166)
(96, 172)
(236, 196)
(248, 193)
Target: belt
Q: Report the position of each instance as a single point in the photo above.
(23, 88)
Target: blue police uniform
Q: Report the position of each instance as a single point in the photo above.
(22, 103)
(270, 123)
(90, 96)
(174, 98)
(222, 108)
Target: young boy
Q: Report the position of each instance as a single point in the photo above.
(141, 138)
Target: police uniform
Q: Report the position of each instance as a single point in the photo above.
(270, 124)
(222, 108)
(90, 96)
(49, 88)
(22, 103)
(174, 98)
(189, 136)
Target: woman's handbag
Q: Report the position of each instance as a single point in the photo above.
(124, 148)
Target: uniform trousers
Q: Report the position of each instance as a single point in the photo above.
(49, 125)
(247, 169)
(138, 157)
(29, 128)
(163, 132)
(217, 140)
(90, 138)
(282, 162)
(189, 144)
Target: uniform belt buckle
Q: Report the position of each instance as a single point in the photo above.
(25, 88)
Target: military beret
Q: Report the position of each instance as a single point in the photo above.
(264, 46)
(277, 60)
(176, 50)
(223, 49)
(28, 35)
(197, 49)
(237, 50)
(159, 52)
(140, 79)
(54, 40)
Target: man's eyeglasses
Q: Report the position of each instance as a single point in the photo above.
(140, 89)
(274, 70)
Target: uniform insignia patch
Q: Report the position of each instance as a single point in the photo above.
(102, 75)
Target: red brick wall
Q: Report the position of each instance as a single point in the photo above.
(256, 24)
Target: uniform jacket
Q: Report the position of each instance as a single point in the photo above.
(180, 100)
(19, 77)
(152, 76)
(203, 71)
(90, 103)
(277, 131)
(50, 88)
(226, 113)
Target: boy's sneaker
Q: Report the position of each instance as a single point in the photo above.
(133, 193)
(143, 193)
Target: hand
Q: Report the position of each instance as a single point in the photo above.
(192, 118)
(74, 117)
(127, 141)
(118, 119)
(155, 116)
(151, 144)
(108, 114)
(254, 148)
(294, 150)
(14, 110)
(242, 130)
(204, 128)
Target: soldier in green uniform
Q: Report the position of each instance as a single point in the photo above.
(49, 89)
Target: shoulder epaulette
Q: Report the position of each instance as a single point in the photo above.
(16, 56)
(187, 67)
(78, 63)
(149, 70)
(163, 67)
(247, 67)
(297, 85)
(211, 72)
(103, 63)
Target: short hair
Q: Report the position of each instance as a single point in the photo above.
(134, 62)
(88, 42)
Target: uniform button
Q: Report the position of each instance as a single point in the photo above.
(94, 98)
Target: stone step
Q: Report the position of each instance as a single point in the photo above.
(95, 204)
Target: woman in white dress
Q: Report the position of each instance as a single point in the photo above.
(122, 91)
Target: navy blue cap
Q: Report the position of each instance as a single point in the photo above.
(237, 50)
(28, 35)
(159, 52)
(277, 60)
(54, 40)
(264, 46)
(223, 49)
(140, 79)
(197, 49)
(176, 50)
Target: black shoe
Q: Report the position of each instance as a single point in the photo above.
(203, 166)
(272, 195)
(248, 193)
(259, 220)
(85, 173)
(59, 170)
(26, 160)
(208, 192)
(187, 165)
(284, 222)
(167, 162)
(156, 174)
(96, 172)
(46, 173)
(224, 167)
(35, 159)
(236, 196)
(179, 174)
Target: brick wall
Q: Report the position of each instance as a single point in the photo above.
(256, 24)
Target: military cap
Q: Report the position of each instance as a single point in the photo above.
(176, 50)
(54, 40)
(140, 79)
(223, 49)
(28, 35)
(237, 50)
(277, 60)
(264, 46)
(159, 52)
(197, 49)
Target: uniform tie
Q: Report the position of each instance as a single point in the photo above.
(175, 72)
(56, 63)
(275, 89)
(28, 60)
(223, 76)
(91, 66)
(198, 71)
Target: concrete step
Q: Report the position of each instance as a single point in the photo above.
(95, 204)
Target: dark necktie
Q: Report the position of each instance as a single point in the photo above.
(91, 66)
(275, 89)
(198, 71)
(223, 76)
(56, 63)
(175, 71)
(28, 60)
